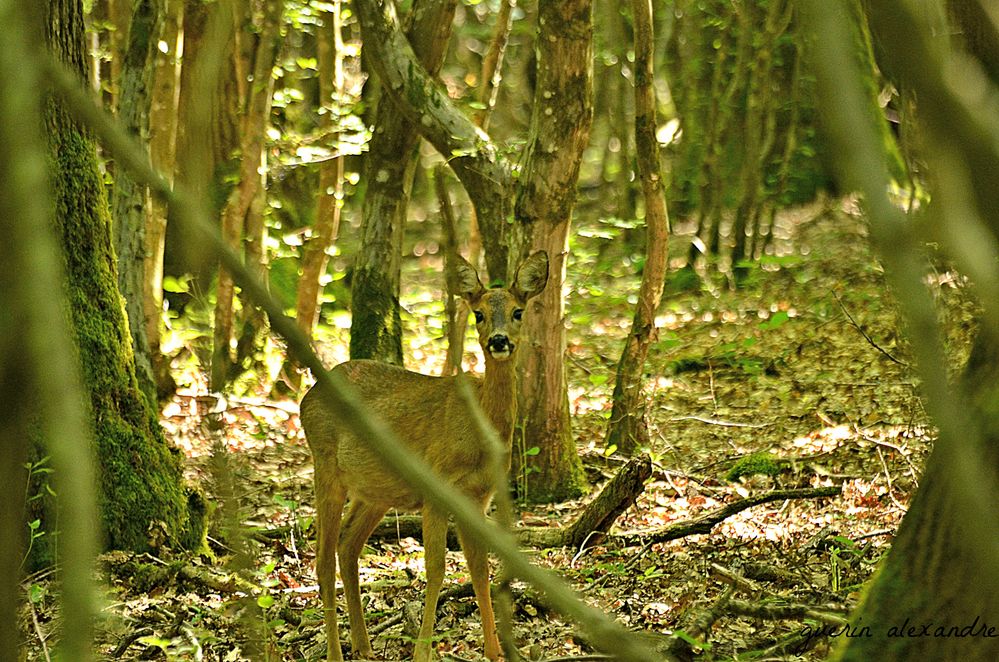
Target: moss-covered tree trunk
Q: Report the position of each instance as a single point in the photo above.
(560, 130)
(40, 382)
(130, 201)
(140, 480)
(376, 326)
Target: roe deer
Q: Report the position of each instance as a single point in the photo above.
(430, 417)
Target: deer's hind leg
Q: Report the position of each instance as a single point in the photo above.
(362, 518)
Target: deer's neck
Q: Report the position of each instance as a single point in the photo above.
(499, 397)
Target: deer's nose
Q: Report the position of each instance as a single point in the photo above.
(499, 344)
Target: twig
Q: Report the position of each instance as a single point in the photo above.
(735, 579)
(715, 421)
(864, 333)
(898, 449)
(706, 522)
(775, 612)
(38, 631)
(891, 488)
(874, 534)
(130, 639)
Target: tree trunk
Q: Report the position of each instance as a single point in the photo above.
(251, 185)
(628, 429)
(207, 128)
(329, 201)
(560, 128)
(475, 159)
(130, 201)
(39, 372)
(376, 326)
(162, 149)
(490, 76)
(932, 575)
(937, 592)
(140, 480)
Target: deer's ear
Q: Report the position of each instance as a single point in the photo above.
(532, 276)
(466, 280)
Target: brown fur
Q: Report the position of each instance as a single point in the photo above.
(429, 417)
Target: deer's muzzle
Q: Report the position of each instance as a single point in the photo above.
(499, 346)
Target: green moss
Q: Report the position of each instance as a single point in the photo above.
(139, 475)
(376, 325)
(757, 464)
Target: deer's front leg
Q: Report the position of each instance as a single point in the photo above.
(478, 567)
(434, 546)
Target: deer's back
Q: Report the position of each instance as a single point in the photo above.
(425, 412)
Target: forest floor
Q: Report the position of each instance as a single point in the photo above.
(804, 363)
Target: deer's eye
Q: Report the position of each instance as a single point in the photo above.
(479, 317)
(518, 313)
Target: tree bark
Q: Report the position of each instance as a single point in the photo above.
(140, 479)
(470, 153)
(628, 428)
(560, 128)
(207, 128)
(329, 202)
(162, 149)
(241, 199)
(941, 577)
(455, 311)
(376, 325)
(130, 201)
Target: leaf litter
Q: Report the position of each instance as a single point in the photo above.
(803, 369)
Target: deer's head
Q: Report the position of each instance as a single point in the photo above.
(498, 311)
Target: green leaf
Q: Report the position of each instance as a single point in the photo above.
(776, 320)
(532, 451)
(36, 593)
(265, 601)
(693, 641)
(598, 379)
(177, 286)
(156, 642)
